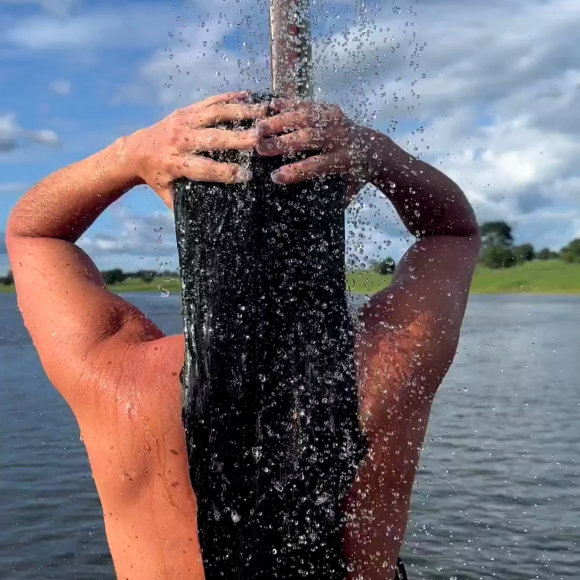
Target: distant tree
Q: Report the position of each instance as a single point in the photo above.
(496, 234)
(547, 254)
(9, 279)
(115, 276)
(146, 275)
(571, 253)
(385, 267)
(524, 253)
(498, 257)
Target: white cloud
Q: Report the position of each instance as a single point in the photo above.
(44, 136)
(203, 60)
(12, 135)
(134, 235)
(502, 163)
(46, 33)
(9, 130)
(373, 230)
(61, 87)
(129, 26)
(499, 106)
(13, 187)
(58, 8)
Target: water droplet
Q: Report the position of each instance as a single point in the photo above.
(322, 498)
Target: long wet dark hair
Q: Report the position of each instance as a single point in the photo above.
(269, 382)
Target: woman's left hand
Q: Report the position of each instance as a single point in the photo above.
(305, 126)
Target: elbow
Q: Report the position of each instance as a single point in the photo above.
(12, 246)
(11, 232)
(471, 225)
(476, 238)
(23, 216)
(471, 233)
(13, 225)
(468, 226)
(475, 244)
(15, 233)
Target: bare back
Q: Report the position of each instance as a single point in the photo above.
(135, 441)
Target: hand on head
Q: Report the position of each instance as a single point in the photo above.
(343, 147)
(170, 149)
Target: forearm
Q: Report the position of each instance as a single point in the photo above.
(65, 204)
(427, 201)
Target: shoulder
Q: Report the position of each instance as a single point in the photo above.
(130, 415)
(398, 346)
(119, 372)
(400, 366)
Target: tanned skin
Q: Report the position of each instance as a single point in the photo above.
(120, 374)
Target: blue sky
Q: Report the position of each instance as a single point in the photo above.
(489, 91)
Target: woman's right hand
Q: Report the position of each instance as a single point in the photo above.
(166, 151)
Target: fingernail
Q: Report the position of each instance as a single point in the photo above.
(276, 176)
(262, 129)
(278, 104)
(242, 176)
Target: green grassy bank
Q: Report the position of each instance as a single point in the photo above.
(539, 277)
(549, 277)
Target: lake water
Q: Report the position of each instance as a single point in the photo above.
(498, 490)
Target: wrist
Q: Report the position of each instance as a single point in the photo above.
(384, 159)
(76, 195)
(120, 158)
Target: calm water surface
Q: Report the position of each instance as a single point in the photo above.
(498, 490)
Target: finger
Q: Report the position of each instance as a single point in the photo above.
(318, 166)
(301, 140)
(306, 115)
(204, 169)
(226, 97)
(224, 140)
(214, 114)
(285, 122)
(282, 104)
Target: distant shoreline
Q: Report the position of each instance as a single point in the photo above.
(551, 277)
